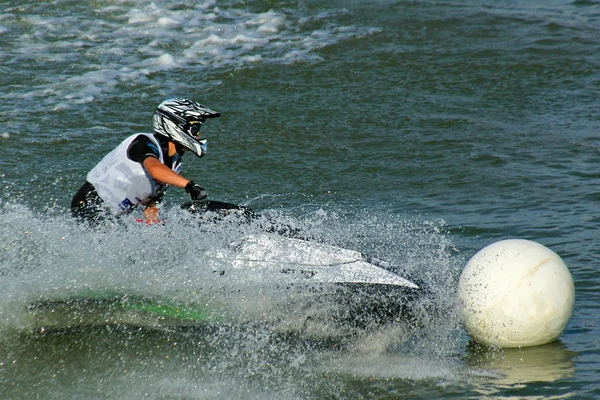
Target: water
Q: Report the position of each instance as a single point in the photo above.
(417, 132)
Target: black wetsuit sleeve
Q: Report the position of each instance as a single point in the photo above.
(142, 148)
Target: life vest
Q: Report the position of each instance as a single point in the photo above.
(122, 183)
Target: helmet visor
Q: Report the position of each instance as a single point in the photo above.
(194, 128)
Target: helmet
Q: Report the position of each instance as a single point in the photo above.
(180, 120)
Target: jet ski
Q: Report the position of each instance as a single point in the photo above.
(278, 276)
(366, 291)
(283, 249)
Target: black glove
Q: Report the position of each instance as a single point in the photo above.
(197, 193)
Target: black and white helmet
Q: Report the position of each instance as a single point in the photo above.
(180, 120)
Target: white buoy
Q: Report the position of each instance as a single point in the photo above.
(516, 293)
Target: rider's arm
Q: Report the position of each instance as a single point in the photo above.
(163, 174)
(145, 152)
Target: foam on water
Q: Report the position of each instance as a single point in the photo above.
(129, 42)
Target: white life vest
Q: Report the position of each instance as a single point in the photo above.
(122, 183)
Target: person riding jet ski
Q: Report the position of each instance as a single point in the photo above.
(137, 172)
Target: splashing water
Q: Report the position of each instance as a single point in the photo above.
(54, 271)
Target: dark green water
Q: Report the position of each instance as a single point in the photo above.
(416, 131)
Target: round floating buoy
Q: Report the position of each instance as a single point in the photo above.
(516, 293)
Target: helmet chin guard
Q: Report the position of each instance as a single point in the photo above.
(174, 119)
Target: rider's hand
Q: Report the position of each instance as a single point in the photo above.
(197, 193)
